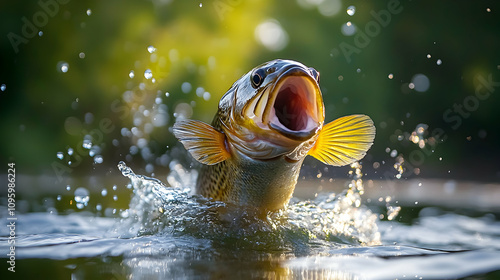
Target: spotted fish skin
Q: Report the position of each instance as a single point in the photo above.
(244, 181)
(265, 126)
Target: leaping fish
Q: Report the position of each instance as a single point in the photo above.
(266, 124)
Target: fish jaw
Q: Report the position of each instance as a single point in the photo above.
(297, 108)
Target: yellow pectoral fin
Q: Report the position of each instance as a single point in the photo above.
(205, 144)
(344, 140)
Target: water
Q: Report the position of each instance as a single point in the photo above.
(351, 10)
(151, 49)
(148, 74)
(169, 233)
(62, 66)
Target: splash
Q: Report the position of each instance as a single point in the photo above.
(160, 209)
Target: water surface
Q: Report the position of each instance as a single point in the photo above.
(168, 233)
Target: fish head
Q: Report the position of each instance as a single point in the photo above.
(273, 110)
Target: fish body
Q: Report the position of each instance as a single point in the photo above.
(265, 126)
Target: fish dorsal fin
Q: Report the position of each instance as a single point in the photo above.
(205, 144)
(344, 140)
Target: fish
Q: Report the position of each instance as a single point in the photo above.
(266, 124)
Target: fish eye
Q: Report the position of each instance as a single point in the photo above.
(258, 77)
(315, 74)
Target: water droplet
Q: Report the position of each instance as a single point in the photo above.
(151, 49)
(186, 87)
(131, 74)
(70, 151)
(3, 87)
(59, 197)
(394, 153)
(428, 55)
(358, 70)
(206, 95)
(60, 155)
(125, 214)
(89, 12)
(98, 159)
(351, 10)
(327, 8)
(40, 33)
(87, 144)
(167, 94)
(115, 197)
(62, 66)
(98, 207)
(115, 187)
(390, 76)
(421, 82)
(199, 91)
(148, 74)
(488, 10)
(89, 118)
(81, 197)
(201, 5)
(438, 62)
(81, 55)
(104, 192)
(183, 111)
(271, 35)
(142, 143)
(68, 187)
(348, 29)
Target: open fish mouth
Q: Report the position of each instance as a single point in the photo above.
(295, 105)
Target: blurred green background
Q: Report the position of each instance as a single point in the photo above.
(66, 69)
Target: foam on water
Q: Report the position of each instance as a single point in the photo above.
(338, 220)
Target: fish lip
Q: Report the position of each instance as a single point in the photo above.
(307, 118)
